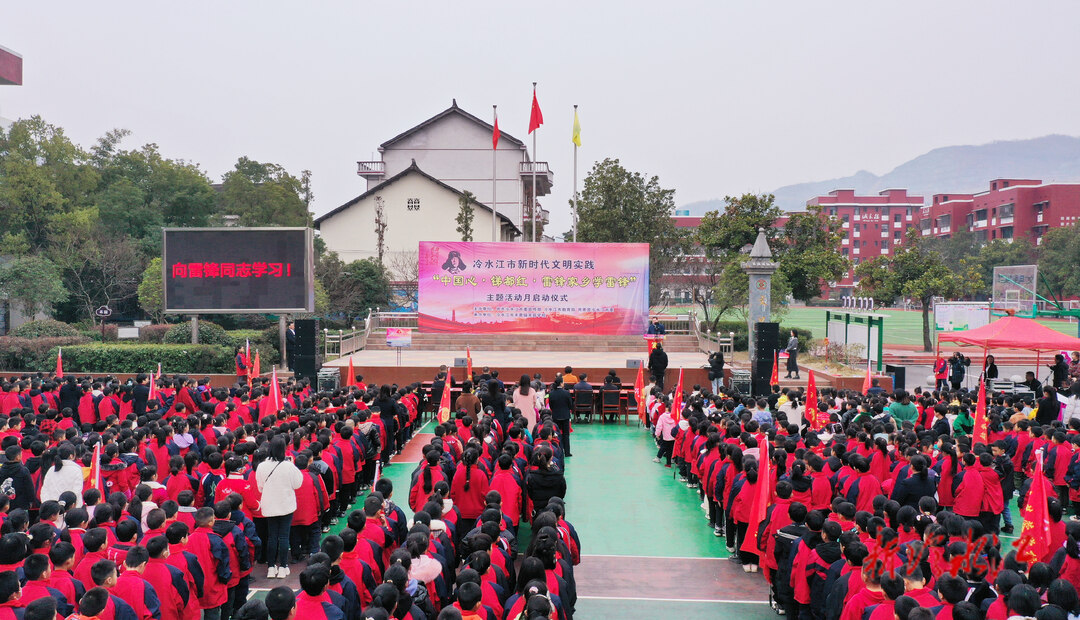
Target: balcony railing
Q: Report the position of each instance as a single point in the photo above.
(540, 167)
(370, 168)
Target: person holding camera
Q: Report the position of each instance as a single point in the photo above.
(957, 365)
(716, 371)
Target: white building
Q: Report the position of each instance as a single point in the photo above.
(455, 147)
(416, 207)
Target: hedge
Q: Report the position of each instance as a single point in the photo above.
(209, 333)
(34, 354)
(265, 340)
(174, 358)
(154, 334)
(45, 328)
(95, 334)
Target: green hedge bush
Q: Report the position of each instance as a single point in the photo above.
(94, 335)
(264, 340)
(154, 334)
(174, 358)
(209, 333)
(34, 354)
(45, 328)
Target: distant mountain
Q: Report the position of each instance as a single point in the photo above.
(950, 169)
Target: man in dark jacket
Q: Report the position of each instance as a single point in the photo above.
(15, 480)
(561, 405)
(140, 393)
(658, 363)
(70, 394)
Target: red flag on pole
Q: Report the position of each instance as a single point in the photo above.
(444, 402)
(496, 133)
(247, 359)
(866, 383)
(276, 400)
(59, 363)
(536, 118)
(350, 377)
(812, 415)
(760, 502)
(1034, 541)
(254, 366)
(468, 364)
(639, 391)
(676, 401)
(153, 388)
(775, 378)
(980, 433)
(95, 469)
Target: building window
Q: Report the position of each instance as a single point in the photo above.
(1006, 213)
(1007, 232)
(845, 251)
(412, 204)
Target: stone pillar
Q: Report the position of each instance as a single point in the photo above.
(760, 268)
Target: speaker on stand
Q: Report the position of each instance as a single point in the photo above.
(766, 342)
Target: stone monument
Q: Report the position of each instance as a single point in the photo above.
(760, 268)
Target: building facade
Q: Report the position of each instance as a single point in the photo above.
(1011, 209)
(455, 147)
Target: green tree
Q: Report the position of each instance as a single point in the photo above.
(808, 253)
(619, 206)
(465, 216)
(33, 283)
(915, 271)
(264, 194)
(373, 285)
(151, 291)
(1059, 254)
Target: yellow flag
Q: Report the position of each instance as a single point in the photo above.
(576, 138)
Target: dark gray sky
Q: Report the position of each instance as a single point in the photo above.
(714, 97)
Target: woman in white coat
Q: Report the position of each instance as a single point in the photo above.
(64, 475)
(278, 480)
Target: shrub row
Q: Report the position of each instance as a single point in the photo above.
(174, 358)
(34, 354)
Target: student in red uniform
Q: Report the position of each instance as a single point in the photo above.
(469, 487)
(187, 562)
(104, 575)
(36, 570)
(133, 587)
(313, 602)
(94, 543)
(213, 556)
(311, 501)
(168, 581)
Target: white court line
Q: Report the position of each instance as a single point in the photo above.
(650, 557)
(671, 600)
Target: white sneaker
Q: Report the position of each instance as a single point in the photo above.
(283, 572)
(656, 460)
(272, 572)
(746, 568)
(753, 568)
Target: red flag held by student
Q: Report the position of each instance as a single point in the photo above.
(761, 500)
(1034, 541)
(774, 379)
(639, 392)
(59, 363)
(812, 415)
(276, 400)
(866, 383)
(536, 118)
(980, 434)
(153, 387)
(444, 402)
(468, 364)
(254, 366)
(350, 377)
(676, 401)
(95, 470)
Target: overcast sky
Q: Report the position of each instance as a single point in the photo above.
(714, 97)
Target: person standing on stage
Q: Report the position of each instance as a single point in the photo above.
(658, 363)
(792, 350)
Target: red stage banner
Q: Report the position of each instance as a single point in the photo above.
(483, 287)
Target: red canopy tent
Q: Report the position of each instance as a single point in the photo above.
(1012, 332)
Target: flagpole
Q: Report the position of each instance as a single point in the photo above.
(494, 203)
(534, 177)
(575, 180)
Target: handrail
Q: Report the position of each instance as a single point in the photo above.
(709, 342)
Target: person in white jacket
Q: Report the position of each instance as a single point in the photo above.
(64, 475)
(278, 480)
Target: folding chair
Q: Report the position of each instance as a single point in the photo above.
(632, 407)
(609, 404)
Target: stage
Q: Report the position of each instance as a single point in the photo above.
(381, 366)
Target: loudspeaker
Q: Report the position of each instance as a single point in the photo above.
(461, 362)
(306, 367)
(307, 339)
(635, 364)
(766, 343)
(899, 374)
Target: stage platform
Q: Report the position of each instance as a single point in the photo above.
(381, 366)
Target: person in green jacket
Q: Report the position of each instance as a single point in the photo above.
(964, 424)
(902, 409)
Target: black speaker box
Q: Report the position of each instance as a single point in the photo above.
(307, 338)
(766, 342)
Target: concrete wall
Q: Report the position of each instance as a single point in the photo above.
(351, 232)
(457, 151)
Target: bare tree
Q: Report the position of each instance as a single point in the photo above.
(100, 269)
(380, 228)
(405, 274)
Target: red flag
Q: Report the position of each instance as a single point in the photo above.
(495, 133)
(255, 366)
(980, 434)
(444, 402)
(866, 383)
(247, 360)
(59, 364)
(468, 364)
(676, 402)
(639, 391)
(760, 502)
(536, 118)
(812, 415)
(153, 388)
(1034, 541)
(775, 378)
(95, 469)
(276, 400)
(350, 377)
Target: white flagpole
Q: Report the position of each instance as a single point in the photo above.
(575, 180)
(494, 203)
(534, 174)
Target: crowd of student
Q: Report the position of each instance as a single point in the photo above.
(890, 509)
(157, 498)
